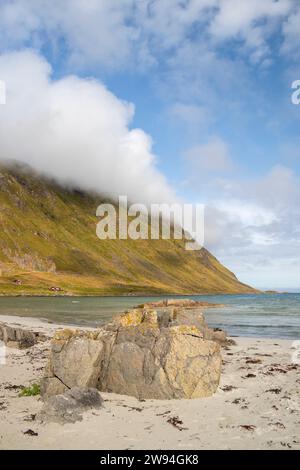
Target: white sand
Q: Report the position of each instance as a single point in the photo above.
(126, 423)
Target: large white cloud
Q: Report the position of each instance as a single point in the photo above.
(76, 130)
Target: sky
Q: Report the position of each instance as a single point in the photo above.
(166, 100)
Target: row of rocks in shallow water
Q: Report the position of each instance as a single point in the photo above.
(150, 354)
(186, 303)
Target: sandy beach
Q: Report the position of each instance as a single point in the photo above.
(257, 405)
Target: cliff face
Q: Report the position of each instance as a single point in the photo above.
(48, 244)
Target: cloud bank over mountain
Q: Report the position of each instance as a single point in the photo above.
(77, 131)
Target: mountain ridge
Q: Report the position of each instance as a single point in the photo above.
(48, 246)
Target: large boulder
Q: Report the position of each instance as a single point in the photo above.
(144, 353)
(170, 363)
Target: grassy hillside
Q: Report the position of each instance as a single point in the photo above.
(48, 246)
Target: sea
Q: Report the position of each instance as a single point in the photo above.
(262, 315)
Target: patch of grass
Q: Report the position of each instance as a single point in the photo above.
(30, 391)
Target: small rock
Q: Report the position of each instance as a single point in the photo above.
(176, 422)
(274, 390)
(68, 407)
(253, 361)
(228, 388)
(30, 432)
(248, 427)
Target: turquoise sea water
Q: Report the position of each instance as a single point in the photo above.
(276, 316)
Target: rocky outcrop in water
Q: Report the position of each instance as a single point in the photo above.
(150, 354)
(185, 303)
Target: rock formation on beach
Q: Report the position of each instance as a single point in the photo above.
(19, 338)
(149, 354)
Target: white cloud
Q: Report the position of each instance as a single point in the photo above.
(246, 213)
(251, 223)
(254, 228)
(236, 17)
(117, 34)
(167, 23)
(93, 32)
(250, 21)
(75, 130)
(291, 31)
(213, 156)
(193, 117)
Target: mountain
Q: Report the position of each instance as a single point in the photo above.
(48, 246)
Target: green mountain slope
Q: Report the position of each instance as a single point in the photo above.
(48, 245)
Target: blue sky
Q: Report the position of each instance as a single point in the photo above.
(186, 100)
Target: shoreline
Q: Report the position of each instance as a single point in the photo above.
(257, 404)
(43, 323)
(161, 295)
(46, 326)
